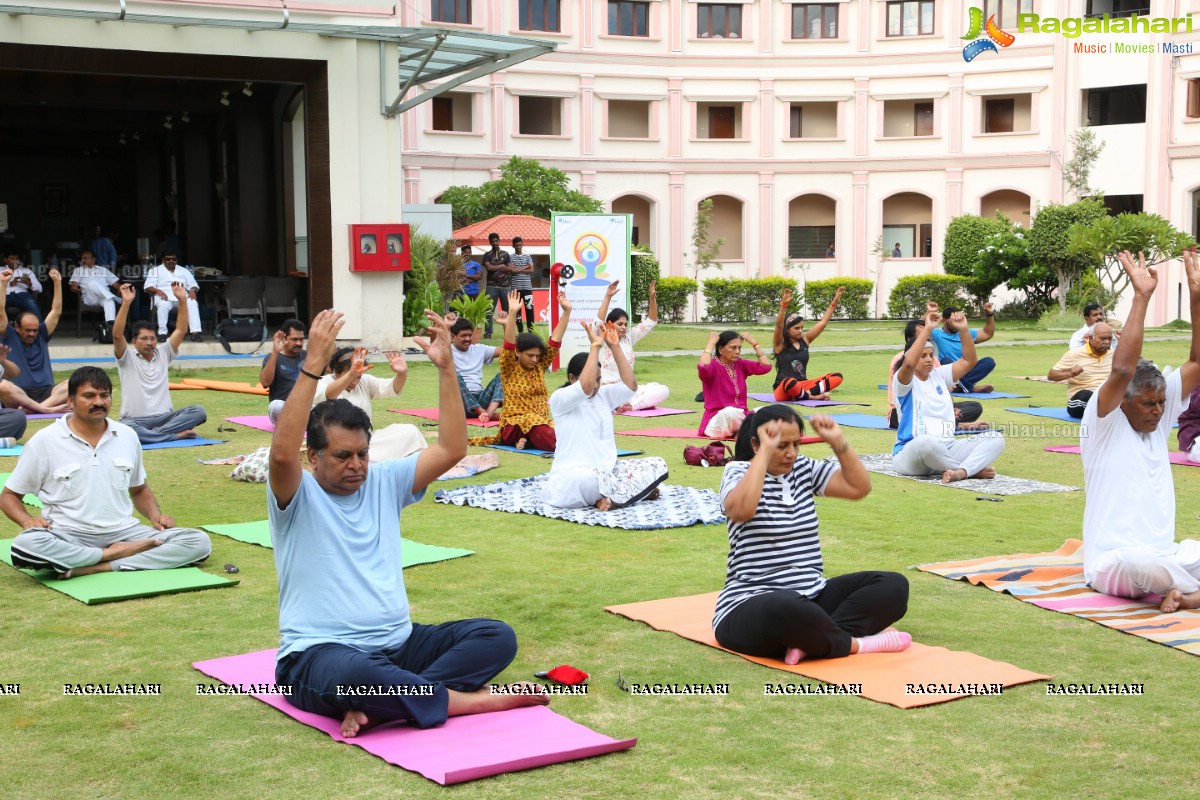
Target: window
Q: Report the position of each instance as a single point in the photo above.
(718, 121)
(452, 112)
(815, 21)
(538, 15)
(909, 17)
(1117, 8)
(1123, 204)
(628, 18)
(1010, 114)
(539, 116)
(1115, 105)
(810, 241)
(717, 21)
(629, 119)
(815, 120)
(456, 11)
(1006, 11)
(902, 118)
(1193, 98)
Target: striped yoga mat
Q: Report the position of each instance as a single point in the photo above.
(1054, 581)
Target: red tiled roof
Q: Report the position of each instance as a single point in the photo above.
(534, 231)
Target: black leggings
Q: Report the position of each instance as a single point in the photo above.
(527, 304)
(857, 604)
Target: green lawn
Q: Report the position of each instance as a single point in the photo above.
(551, 580)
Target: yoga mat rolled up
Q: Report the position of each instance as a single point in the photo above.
(223, 386)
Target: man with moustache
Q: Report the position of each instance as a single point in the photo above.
(87, 470)
(1085, 368)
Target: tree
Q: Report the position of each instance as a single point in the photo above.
(705, 249)
(1050, 242)
(1144, 233)
(524, 187)
(962, 251)
(1085, 150)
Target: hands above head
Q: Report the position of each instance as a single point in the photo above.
(612, 290)
(322, 338)
(1144, 279)
(748, 339)
(837, 296)
(129, 294)
(786, 301)
(611, 335)
(933, 317)
(1191, 268)
(931, 306)
(396, 361)
(989, 309)
(501, 316)
(55, 276)
(438, 350)
(770, 436)
(958, 321)
(358, 361)
(564, 303)
(6, 275)
(653, 291)
(712, 339)
(827, 428)
(590, 330)
(179, 291)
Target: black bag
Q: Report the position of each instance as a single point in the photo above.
(241, 329)
(104, 333)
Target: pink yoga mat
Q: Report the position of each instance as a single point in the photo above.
(464, 749)
(263, 423)
(659, 411)
(1174, 457)
(433, 414)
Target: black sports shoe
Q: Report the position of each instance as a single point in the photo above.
(162, 337)
(197, 337)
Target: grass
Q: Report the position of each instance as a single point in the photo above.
(551, 580)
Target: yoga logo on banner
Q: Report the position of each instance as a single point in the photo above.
(983, 38)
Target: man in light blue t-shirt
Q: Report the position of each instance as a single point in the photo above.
(348, 648)
(950, 349)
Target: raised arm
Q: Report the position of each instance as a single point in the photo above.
(852, 481)
(742, 501)
(589, 378)
(652, 312)
(780, 318)
(1189, 371)
(51, 321)
(181, 316)
(762, 357)
(912, 356)
(963, 365)
(451, 444)
(266, 375)
(707, 356)
(609, 294)
(815, 331)
(6, 276)
(989, 325)
(9, 368)
(624, 368)
(1144, 280)
(285, 471)
(564, 319)
(128, 293)
(400, 368)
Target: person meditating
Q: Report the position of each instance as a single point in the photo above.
(648, 395)
(525, 416)
(481, 402)
(777, 602)
(336, 531)
(586, 470)
(1129, 547)
(925, 443)
(790, 342)
(723, 379)
(1085, 368)
(349, 381)
(966, 412)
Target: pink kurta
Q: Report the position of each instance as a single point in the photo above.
(721, 392)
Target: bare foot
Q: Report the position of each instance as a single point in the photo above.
(186, 435)
(952, 475)
(483, 701)
(793, 656)
(520, 445)
(1175, 600)
(603, 504)
(484, 418)
(987, 473)
(126, 549)
(79, 572)
(353, 722)
(973, 426)
(654, 495)
(824, 396)
(987, 387)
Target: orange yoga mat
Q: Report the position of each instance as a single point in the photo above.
(223, 386)
(178, 386)
(920, 676)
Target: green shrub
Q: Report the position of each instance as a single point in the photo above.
(415, 281)
(744, 299)
(673, 296)
(912, 292)
(856, 299)
(643, 268)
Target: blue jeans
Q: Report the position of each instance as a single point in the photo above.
(981, 370)
(24, 301)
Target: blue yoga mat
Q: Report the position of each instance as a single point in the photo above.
(531, 451)
(873, 422)
(979, 395)
(199, 441)
(1053, 413)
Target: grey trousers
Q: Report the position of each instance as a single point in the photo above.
(61, 550)
(163, 427)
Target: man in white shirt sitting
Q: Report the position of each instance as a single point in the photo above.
(158, 285)
(24, 287)
(95, 285)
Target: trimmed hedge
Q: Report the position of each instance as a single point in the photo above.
(673, 296)
(855, 302)
(912, 292)
(643, 268)
(745, 299)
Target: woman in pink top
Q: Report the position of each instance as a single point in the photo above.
(723, 375)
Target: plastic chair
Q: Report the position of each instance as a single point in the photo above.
(281, 297)
(244, 297)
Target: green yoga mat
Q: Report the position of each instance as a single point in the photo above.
(29, 499)
(413, 553)
(106, 587)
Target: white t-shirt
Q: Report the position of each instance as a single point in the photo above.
(583, 426)
(162, 278)
(926, 406)
(608, 365)
(82, 489)
(24, 272)
(1130, 490)
(145, 385)
(97, 277)
(369, 387)
(470, 364)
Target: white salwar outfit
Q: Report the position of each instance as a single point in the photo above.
(586, 467)
(647, 395)
(1129, 547)
(394, 441)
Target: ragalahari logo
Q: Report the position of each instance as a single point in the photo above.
(984, 38)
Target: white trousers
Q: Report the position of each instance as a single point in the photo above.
(1138, 571)
(649, 395)
(93, 295)
(930, 455)
(722, 424)
(163, 309)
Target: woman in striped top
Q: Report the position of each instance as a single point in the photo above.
(777, 601)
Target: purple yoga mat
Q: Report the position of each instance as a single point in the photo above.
(46, 416)
(764, 397)
(464, 749)
(659, 411)
(1174, 456)
(263, 423)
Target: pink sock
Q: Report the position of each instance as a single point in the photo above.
(886, 642)
(793, 656)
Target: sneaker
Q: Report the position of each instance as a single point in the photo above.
(162, 337)
(197, 337)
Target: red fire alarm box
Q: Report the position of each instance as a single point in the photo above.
(379, 248)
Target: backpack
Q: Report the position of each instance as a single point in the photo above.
(241, 329)
(104, 333)
(713, 454)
